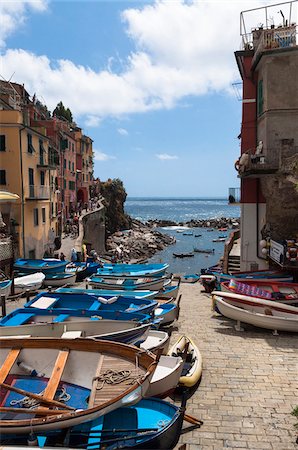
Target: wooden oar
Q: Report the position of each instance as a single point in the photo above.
(35, 396)
(38, 412)
(193, 420)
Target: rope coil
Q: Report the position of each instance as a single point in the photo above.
(115, 377)
(31, 403)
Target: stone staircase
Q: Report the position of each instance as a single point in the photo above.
(234, 263)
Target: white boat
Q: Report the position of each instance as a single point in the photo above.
(130, 284)
(256, 304)
(168, 292)
(31, 282)
(276, 322)
(70, 374)
(155, 341)
(167, 312)
(60, 279)
(5, 287)
(165, 377)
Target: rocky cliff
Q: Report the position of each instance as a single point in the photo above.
(115, 195)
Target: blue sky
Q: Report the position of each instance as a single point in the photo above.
(149, 82)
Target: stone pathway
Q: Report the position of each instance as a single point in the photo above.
(249, 384)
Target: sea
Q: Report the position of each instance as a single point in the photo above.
(183, 210)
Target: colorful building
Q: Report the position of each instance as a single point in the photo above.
(268, 65)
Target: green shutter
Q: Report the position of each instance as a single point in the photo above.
(260, 97)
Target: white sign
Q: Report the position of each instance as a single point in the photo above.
(276, 252)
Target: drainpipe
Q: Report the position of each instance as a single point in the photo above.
(22, 191)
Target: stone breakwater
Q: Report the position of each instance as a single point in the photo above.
(138, 243)
(222, 222)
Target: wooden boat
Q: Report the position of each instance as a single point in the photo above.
(150, 424)
(191, 278)
(130, 284)
(166, 376)
(193, 365)
(82, 269)
(167, 312)
(125, 331)
(40, 265)
(59, 279)
(26, 316)
(57, 300)
(31, 282)
(53, 367)
(5, 287)
(260, 275)
(260, 305)
(283, 292)
(203, 250)
(155, 341)
(110, 292)
(183, 255)
(275, 322)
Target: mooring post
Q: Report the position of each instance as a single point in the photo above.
(3, 305)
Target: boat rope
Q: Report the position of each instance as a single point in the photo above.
(115, 377)
(31, 403)
(163, 423)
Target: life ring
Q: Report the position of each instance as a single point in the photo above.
(237, 165)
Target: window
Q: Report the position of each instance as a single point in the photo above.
(52, 209)
(56, 208)
(41, 152)
(35, 216)
(72, 185)
(69, 165)
(30, 145)
(2, 177)
(72, 147)
(64, 184)
(43, 215)
(42, 178)
(72, 167)
(260, 97)
(64, 163)
(2, 143)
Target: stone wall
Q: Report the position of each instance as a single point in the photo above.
(94, 230)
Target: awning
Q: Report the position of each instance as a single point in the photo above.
(8, 196)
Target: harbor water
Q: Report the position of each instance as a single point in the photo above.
(183, 210)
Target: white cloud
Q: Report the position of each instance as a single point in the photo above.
(165, 156)
(182, 49)
(122, 131)
(100, 156)
(92, 121)
(13, 15)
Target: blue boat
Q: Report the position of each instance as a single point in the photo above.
(261, 275)
(133, 270)
(58, 300)
(5, 287)
(150, 424)
(83, 269)
(59, 279)
(109, 293)
(40, 265)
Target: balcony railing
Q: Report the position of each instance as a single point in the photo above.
(274, 38)
(38, 192)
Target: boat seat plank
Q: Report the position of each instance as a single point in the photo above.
(8, 363)
(95, 382)
(95, 305)
(61, 318)
(44, 302)
(18, 319)
(72, 334)
(56, 375)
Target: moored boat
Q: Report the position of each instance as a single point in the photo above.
(111, 292)
(82, 269)
(31, 282)
(59, 279)
(203, 250)
(5, 287)
(166, 376)
(183, 255)
(168, 292)
(270, 322)
(132, 271)
(193, 365)
(40, 265)
(130, 284)
(53, 367)
(190, 278)
(155, 341)
(168, 313)
(260, 275)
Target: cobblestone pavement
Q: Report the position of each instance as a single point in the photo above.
(249, 384)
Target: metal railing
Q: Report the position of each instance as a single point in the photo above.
(39, 192)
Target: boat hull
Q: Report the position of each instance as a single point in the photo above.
(60, 280)
(40, 265)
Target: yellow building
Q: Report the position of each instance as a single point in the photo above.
(27, 168)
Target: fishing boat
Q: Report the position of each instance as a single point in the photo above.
(26, 316)
(150, 424)
(50, 384)
(31, 282)
(166, 376)
(59, 279)
(110, 292)
(82, 269)
(183, 255)
(125, 331)
(167, 312)
(155, 341)
(58, 300)
(193, 365)
(130, 284)
(257, 304)
(40, 265)
(5, 287)
(283, 292)
(271, 322)
(260, 275)
(203, 250)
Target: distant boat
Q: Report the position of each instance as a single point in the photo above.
(40, 265)
(203, 250)
(210, 229)
(219, 239)
(198, 235)
(192, 278)
(183, 255)
(188, 233)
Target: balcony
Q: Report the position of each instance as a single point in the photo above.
(256, 165)
(38, 192)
